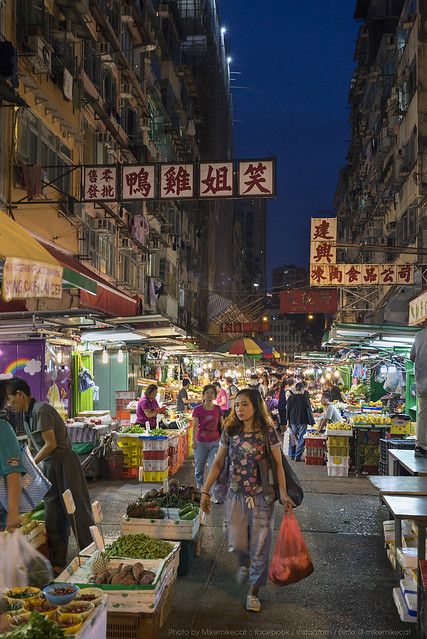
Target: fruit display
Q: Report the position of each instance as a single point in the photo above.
(125, 575)
(138, 546)
(371, 419)
(339, 426)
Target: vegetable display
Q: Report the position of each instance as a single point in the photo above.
(144, 510)
(175, 497)
(38, 627)
(140, 430)
(126, 576)
(139, 546)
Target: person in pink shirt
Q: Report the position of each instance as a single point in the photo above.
(148, 408)
(222, 399)
(207, 429)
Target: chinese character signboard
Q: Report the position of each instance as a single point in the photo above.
(245, 327)
(361, 274)
(256, 178)
(176, 181)
(308, 301)
(216, 179)
(138, 182)
(24, 279)
(100, 183)
(323, 239)
(418, 309)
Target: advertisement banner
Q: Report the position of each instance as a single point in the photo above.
(323, 239)
(100, 183)
(216, 179)
(361, 274)
(176, 181)
(24, 279)
(245, 327)
(256, 178)
(295, 301)
(25, 360)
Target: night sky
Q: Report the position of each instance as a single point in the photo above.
(297, 58)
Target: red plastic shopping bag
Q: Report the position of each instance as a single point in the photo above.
(291, 559)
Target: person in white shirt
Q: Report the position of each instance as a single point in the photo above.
(331, 413)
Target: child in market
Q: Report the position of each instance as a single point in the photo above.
(249, 514)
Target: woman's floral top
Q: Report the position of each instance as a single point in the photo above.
(245, 450)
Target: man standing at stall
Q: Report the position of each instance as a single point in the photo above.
(419, 356)
(48, 434)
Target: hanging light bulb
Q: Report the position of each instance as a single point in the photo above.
(105, 356)
(120, 356)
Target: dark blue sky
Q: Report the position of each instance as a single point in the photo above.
(297, 57)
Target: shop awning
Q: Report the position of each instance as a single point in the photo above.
(373, 335)
(95, 292)
(15, 241)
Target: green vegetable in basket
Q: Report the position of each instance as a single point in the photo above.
(139, 546)
(186, 509)
(38, 627)
(38, 516)
(192, 514)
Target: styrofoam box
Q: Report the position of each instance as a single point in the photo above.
(408, 586)
(401, 607)
(337, 471)
(128, 598)
(338, 433)
(389, 533)
(171, 529)
(155, 465)
(151, 443)
(391, 557)
(407, 557)
(334, 460)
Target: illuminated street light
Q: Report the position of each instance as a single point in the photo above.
(229, 60)
(223, 31)
(265, 318)
(310, 317)
(256, 285)
(270, 339)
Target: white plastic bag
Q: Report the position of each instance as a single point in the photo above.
(21, 564)
(34, 485)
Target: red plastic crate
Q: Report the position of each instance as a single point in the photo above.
(130, 473)
(315, 461)
(315, 452)
(314, 442)
(122, 415)
(155, 454)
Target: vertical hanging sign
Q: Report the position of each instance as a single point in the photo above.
(100, 183)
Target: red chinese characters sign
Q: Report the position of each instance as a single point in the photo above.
(256, 178)
(100, 183)
(216, 179)
(295, 301)
(245, 327)
(346, 275)
(323, 239)
(176, 181)
(138, 182)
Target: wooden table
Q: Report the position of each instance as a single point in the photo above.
(406, 459)
(414, 508)
(415, 486)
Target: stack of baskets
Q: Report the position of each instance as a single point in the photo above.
(338, 452)
(315, 449)
(132, 455)
(155, 460)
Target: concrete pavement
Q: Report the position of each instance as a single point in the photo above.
(348, 595)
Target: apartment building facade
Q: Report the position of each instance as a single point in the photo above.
(104, 82)
(381, 196)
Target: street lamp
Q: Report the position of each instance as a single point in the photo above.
(223, 31)
(270, 339)
(265, 318)
(256, 285)
(310, 317)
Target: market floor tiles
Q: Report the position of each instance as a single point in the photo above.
(348, 595)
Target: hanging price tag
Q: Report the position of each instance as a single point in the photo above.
(97, 537)
(97, 512)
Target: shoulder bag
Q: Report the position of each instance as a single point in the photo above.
(268, 476)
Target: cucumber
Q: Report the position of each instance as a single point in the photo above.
(185, 509)
(189, 516)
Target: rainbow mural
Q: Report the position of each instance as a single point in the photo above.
(15, 366)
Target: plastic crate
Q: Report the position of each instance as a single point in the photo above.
(314, 461)
(122, 414)
(337, 470)
(338, 451)
(124, 441)
(156, 476)
(338, 461)
(155, 443)
(157, 454)
(130, 473)
(155, 465)
(315, 452)
(386, 444)
(132, 462)
(315, 442)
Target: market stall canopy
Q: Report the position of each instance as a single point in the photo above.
(244, 346)
(29, 270)
(372, 335)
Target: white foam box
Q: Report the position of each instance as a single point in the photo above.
(407, 557)
(338, 433)
(170, 528)
(389, 529)
(401, 607)
(408, 586)
(133, 598)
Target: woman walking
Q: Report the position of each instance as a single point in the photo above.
(207, 428)
(222, 399)
(249, 513)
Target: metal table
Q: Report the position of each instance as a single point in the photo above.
(414, 508)
(361, 437)
(414, 486)
(406, 459)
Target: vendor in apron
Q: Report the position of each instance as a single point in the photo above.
(48, 434)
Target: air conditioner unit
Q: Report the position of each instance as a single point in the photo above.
(105, 51)
(106, 138)
(106, 226)
(42, 54)
(144, 124)
(126, 91)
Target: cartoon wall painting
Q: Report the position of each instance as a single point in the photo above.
(26, 360)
